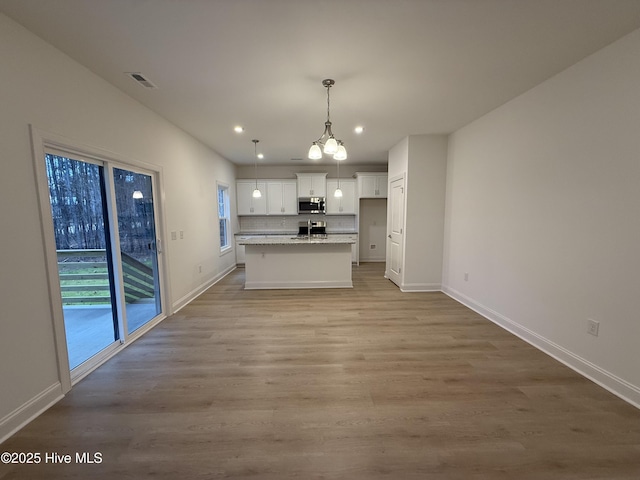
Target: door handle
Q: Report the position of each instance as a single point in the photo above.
(389, 235)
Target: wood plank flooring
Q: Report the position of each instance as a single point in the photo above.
(368, 383)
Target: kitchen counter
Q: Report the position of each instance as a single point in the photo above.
(288, 234)
(286, 261)
(293, 240)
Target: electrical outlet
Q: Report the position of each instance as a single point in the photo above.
(593, 327)
(181, 234)
(199, 268)
(466, 276)
(174, 235)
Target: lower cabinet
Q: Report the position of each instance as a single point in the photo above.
(354, 246)
(239, 253)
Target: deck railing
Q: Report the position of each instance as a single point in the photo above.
(84, 277)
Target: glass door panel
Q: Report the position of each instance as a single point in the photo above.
(137, 232)
(77, 198)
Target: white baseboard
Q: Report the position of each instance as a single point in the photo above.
(22, 415)
(293, 285)
(619, 387)
(421, 287)
(195, 293)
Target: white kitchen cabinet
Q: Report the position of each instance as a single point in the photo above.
(239, 253)
(282, 197)
(246, 203)
(372, 185)
(345, 205)
(312, 184)
(354, 245)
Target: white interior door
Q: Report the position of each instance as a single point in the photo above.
(396, 231)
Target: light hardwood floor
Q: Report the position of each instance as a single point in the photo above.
(368, 383)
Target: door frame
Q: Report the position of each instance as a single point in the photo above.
(41, 141)
(390, 206)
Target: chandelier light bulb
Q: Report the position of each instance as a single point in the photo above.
(341, 154)
(314, 152)
(331, 146)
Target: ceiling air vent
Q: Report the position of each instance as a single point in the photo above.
(141, 79)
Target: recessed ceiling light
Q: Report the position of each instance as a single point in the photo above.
(359, 129)
(260, 156)
(238, 129)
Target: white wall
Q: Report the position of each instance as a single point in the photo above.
(399, 159)
(41, 86)
(422, 159)
(426, 183)
(543, 212)
(372, 229)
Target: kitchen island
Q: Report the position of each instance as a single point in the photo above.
(294, 262)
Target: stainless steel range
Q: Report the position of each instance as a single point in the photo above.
(312, 229)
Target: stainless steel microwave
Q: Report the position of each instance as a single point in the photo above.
(311, 205)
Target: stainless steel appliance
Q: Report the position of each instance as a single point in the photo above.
(312, 229)
(311, 205)
(318, 229)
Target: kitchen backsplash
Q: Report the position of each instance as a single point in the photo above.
(289, 223)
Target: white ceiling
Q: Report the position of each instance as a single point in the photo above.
(401, 67)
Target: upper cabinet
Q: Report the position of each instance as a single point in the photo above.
(279, 197)
(247, 204)
(372, 185)
(345, 205)
(312, 184)
(282, 198)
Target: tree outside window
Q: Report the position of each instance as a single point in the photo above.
(224, 217)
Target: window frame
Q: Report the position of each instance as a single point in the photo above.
(226, 217)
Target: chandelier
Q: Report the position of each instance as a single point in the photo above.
(330, 145)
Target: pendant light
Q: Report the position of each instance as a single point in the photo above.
(329, 144)
(338, 192)
(256, 192)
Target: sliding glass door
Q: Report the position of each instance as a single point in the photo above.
(77, 194)
(107, 252)
(138, 246)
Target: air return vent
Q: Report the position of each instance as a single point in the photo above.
(140, 79)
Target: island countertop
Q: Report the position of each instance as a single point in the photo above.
(336, 239)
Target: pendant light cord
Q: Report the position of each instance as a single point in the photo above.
(255, 158)
(328, 103)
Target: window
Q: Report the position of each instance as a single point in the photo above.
(224, 216)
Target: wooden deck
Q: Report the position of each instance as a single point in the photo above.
(89, 329)
(366, 383)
